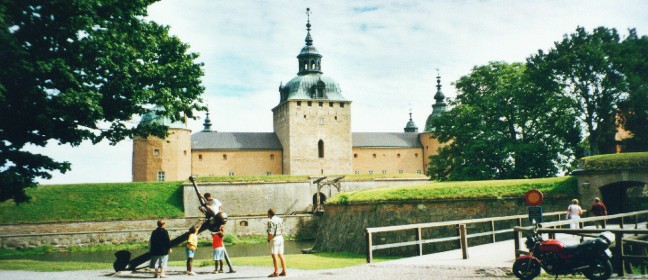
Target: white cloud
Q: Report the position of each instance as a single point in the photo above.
(384, 55)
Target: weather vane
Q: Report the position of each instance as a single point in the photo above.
(308, 13)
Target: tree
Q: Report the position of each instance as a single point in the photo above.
(582, 67)
(501, 126)
(81, 70)
(632, 59)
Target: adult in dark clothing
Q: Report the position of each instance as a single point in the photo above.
(599, 209)
(159, 248)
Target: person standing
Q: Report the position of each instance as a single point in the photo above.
(192, 246)
(599, 209)
(159, 248)
(276, 243)
(219, 249)
(574, 212)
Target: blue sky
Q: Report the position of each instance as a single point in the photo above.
(384, 55)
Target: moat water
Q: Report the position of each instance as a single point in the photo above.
(178, 254)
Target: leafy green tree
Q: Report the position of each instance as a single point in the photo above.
(633, 61)
(501, 126)
(582, 67)
(75, 70)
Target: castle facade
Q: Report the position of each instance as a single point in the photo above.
(312, 136)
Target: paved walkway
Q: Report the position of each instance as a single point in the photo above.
(489, 261)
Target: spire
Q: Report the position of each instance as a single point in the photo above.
(309, 39)
(207, 124)
(309, 58)
(411, 126)
(439, 106)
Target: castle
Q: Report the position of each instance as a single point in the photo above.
(312, 136)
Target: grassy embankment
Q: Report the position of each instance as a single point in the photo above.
(560, 186)
(615, 161)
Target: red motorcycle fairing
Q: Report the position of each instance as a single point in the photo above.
(554, 246)
(526, 257)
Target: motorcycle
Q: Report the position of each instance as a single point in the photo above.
(591, 257)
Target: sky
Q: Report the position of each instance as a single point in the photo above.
(384, 54)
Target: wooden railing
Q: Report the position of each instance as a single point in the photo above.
(619, 258)
(462, 236)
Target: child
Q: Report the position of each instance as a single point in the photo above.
(219, 249)
(159, 248)
(192, 246)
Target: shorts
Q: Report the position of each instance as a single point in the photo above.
(276, 245)
(219, 253)
(190, 253)
(162, 260)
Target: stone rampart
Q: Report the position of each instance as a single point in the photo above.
(342, 227)
(241, 199)
(120, 232)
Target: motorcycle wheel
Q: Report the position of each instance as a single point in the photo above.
(599, 269)
(526, 269)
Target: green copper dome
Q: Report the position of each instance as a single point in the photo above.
(310, 83)
(153, 117)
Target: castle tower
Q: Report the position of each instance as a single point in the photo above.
(313, 119)
(156, 159)
(430, 146)
(411, 126)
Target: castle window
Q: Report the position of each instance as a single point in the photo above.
(355, 155)
(336, 118)
(357, 172)
(374, 155)
(160, 176)
(298, 103)
(330, 104)
(231, 173)
(310, 103)
(341, 105)
(398, 155)
(427, 147)
(224, 157)
(321, 121)
(321, 104)
(199, 157)
(418, 171)
(185, 152)
(370, 171)
(243, 223)
(320, 148)
(156, 152)
(304, 116)
(271, 157)
(400, 171)
(384, 172)
(269, 173)
(416, 155)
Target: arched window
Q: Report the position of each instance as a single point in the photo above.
(320, 148)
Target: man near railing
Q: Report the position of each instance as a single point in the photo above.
(599, 209)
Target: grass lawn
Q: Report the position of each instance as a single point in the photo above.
(616, 161)
(462, 189)
(297, 261)
(88, 202)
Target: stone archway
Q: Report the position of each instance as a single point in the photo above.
(621, 197)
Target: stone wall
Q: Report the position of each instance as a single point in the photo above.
(342, 227)
(242, 199)
(120, 232)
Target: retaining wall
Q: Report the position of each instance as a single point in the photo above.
(342, 227)
(120, 232)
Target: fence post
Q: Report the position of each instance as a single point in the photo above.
(516, 239)
(618, 253)
(493, 230)
(621, 224)
(463, 241)
(418, 239)
(369, 252)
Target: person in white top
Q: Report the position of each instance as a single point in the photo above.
(213, 205)
(573, 213)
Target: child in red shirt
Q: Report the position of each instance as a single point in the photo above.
(219, 249)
